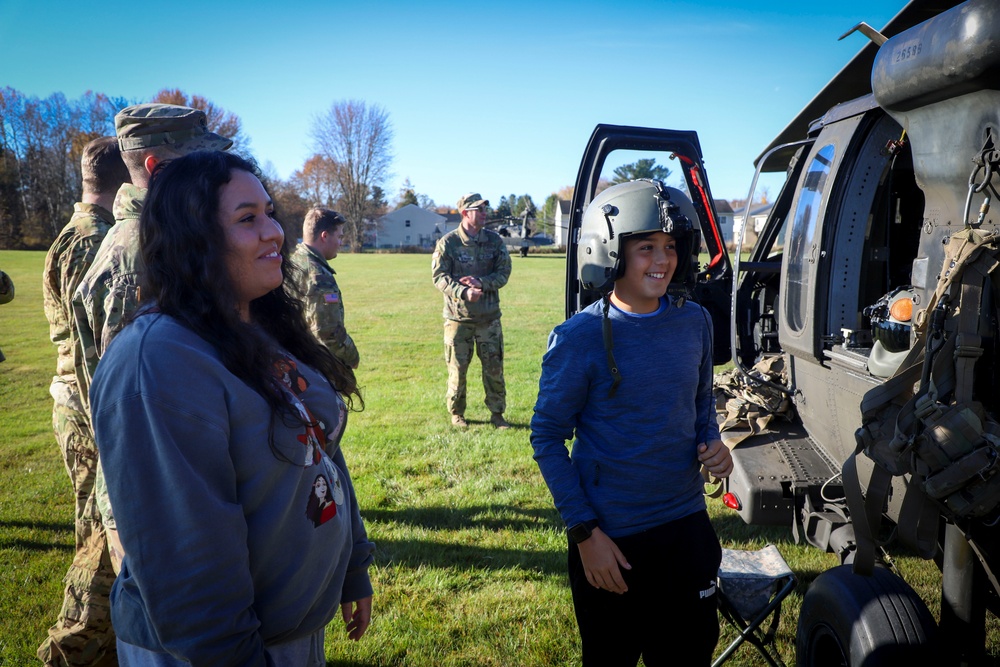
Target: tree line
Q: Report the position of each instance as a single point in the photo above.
(42, 140)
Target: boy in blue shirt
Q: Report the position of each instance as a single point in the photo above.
(631, 377)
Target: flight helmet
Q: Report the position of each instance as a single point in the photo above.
(636, 207)
(890, 319)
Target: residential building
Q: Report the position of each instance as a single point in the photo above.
(412, 226)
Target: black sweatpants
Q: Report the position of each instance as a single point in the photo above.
(669, 613)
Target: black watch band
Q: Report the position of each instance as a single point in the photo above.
(579, 532)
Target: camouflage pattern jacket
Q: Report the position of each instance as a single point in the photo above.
(6, 295)
(68, 259)
(324, 306)
(109, 291)
(483, 256)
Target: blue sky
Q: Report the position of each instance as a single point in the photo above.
(495, 97)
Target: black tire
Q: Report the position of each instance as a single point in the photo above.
(850, 620)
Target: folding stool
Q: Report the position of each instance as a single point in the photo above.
(752, 586)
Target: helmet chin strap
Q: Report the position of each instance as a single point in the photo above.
(609, 346)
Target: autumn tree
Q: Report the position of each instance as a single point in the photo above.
(642, 168)
(358, 139)
(318, 181)
(290, 206)
(220, 121)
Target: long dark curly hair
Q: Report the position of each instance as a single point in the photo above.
(184, 249)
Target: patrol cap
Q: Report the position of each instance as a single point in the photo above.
(472, 200)
(143, 126)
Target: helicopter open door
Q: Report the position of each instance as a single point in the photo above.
(613, 146)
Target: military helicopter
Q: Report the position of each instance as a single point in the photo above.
(516, 232)
(890, 173)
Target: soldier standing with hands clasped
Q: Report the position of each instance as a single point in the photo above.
(470, 265)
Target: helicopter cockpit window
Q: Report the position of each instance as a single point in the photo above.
(802, 246)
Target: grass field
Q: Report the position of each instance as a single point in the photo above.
(470, 563)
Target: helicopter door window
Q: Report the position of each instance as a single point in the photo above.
(802, 242)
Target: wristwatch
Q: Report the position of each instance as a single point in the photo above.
(581, 531)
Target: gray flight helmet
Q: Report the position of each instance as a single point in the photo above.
(635, 207)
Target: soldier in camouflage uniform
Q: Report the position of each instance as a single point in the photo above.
(82, 635)
(109, 292)
(470, 265)
(322, 234)
(6, 295)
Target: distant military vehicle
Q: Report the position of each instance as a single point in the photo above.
(517, 233)
(863, 326)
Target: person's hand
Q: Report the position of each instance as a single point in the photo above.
(473, 294)
(471, 281)
(602, 561)
(115, 549)
(357, 617)
(716, 458)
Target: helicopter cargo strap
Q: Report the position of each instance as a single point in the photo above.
(924, 422)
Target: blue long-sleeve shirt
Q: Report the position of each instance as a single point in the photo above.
(634, 461)
(228, 547)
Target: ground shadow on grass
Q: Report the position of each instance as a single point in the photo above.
(493, 518)
(731, 528)
(13, 535)
(490, 517)
(437, 554)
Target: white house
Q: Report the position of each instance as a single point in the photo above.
(411, 226)
(560, 225)
(725, 213)
(758, 216)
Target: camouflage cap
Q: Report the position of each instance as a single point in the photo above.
(472, 200)
(143, 126)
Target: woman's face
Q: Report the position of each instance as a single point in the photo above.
(253, 238)
(320, 488)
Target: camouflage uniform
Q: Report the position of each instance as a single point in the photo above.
(469, 325)
(107, 295)
(324, 307)
(82, 634)
(110, 289)
(6, 294)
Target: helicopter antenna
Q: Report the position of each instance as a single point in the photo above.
(871, 33)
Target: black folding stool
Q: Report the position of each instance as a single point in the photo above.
(752, 586)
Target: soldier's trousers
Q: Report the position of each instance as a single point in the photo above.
(82, 634)
(486, 338)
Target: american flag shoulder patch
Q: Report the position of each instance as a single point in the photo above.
(331, 298)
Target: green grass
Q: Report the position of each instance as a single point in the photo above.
(470, 564)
